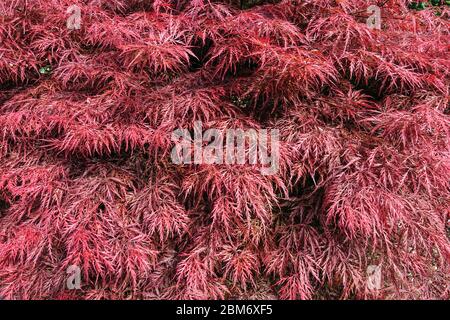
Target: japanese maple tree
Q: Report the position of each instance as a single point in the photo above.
(86, 177)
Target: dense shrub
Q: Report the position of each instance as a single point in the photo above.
(86, 177)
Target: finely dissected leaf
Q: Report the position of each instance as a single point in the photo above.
(87, 180)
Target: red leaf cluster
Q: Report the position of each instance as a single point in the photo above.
(86, 178)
